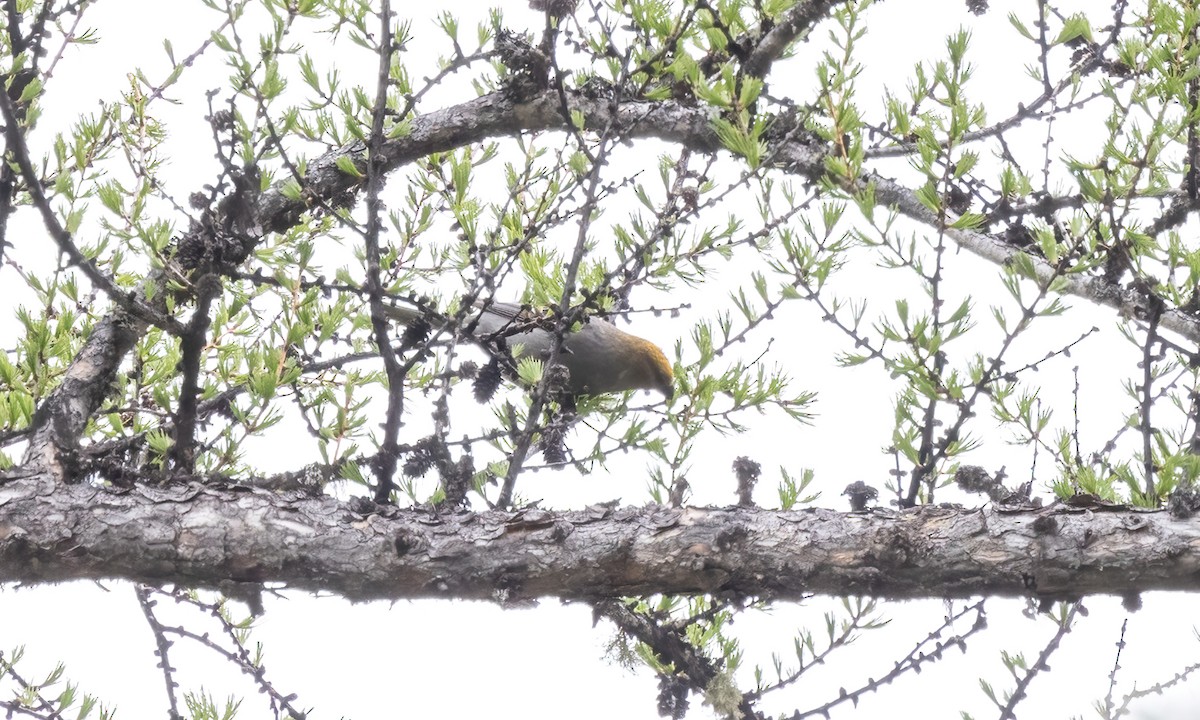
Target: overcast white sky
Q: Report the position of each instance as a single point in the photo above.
(456, 659)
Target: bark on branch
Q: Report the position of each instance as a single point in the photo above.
(198, 535)
(799, 19)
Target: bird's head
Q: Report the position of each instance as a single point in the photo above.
(654, 369)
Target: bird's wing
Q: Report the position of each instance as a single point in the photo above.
(510, 312)
(507, 319)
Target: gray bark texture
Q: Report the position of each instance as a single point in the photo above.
(204, 535)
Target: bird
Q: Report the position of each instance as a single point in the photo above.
(600, 357)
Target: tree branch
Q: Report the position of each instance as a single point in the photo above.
(204, 535)
(800, 18)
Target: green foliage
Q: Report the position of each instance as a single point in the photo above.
(203, 706)
(53, 695)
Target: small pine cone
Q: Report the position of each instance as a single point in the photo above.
(553, 450)
(423, 456)
(468, 369)
(415, 334)
(747, 472)
(556, 8)
(486, 381)
(860, 494)
(456, 480)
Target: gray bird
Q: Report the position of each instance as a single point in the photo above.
(600, 357)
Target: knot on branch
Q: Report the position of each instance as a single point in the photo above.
(406, 542)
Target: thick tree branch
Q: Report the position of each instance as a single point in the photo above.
(62, 416)
(1129, 302)
(799, 19)
(199, 535)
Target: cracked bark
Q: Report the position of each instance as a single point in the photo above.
(202, 535)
